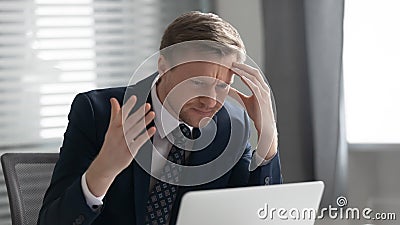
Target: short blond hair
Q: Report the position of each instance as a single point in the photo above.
(196, 25)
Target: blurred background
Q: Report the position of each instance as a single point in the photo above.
(333, 65)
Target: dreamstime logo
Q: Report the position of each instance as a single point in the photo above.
(341, 201)
(185, 54)
(341, 212)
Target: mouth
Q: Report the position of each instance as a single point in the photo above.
(203, 113)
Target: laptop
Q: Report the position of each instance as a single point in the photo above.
(274, 204)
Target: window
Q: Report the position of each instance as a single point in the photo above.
(52, 50)
(371, 69)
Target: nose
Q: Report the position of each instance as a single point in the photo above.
(208, 102)
(208, 97)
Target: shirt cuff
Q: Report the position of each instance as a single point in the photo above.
(259, 161)
(92, 201)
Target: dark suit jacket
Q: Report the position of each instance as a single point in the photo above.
(124, 203)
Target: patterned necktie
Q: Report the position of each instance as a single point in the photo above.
(163, 194)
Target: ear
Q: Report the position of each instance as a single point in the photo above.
(162, 65)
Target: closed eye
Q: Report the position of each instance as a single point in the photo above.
(222, 85)
(197, 82)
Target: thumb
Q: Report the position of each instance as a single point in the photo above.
(115, 108)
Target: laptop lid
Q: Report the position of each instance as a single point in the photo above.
(295, 203)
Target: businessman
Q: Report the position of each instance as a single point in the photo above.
(118, 163)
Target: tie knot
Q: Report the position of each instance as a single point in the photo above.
(182, 133)
(194, 134)
(185, 130)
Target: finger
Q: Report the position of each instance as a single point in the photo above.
(245, 67)
(140, 140)
(135, 130)
(115, 108)
(242, 73)
(127, 107)
(249, 83)
(252, 71)
(253, 87)
(137, 115)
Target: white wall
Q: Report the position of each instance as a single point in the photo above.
(246, 17)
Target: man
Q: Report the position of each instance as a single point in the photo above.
(110, 170)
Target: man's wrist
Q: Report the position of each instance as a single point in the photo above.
(98, 181)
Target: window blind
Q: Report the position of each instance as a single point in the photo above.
(52, 50)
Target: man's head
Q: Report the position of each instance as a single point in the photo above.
(197, 50)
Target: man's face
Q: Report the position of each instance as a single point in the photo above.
(195, 90)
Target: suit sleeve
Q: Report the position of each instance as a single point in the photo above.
(265, 174)
(64, 202)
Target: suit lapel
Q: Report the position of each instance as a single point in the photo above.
(217, 146)
(141, 178)
(199, 157)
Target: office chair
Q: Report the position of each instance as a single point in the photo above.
(27, 176)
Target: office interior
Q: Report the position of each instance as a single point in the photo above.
(332, 66)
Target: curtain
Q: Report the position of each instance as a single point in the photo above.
(303, 45)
